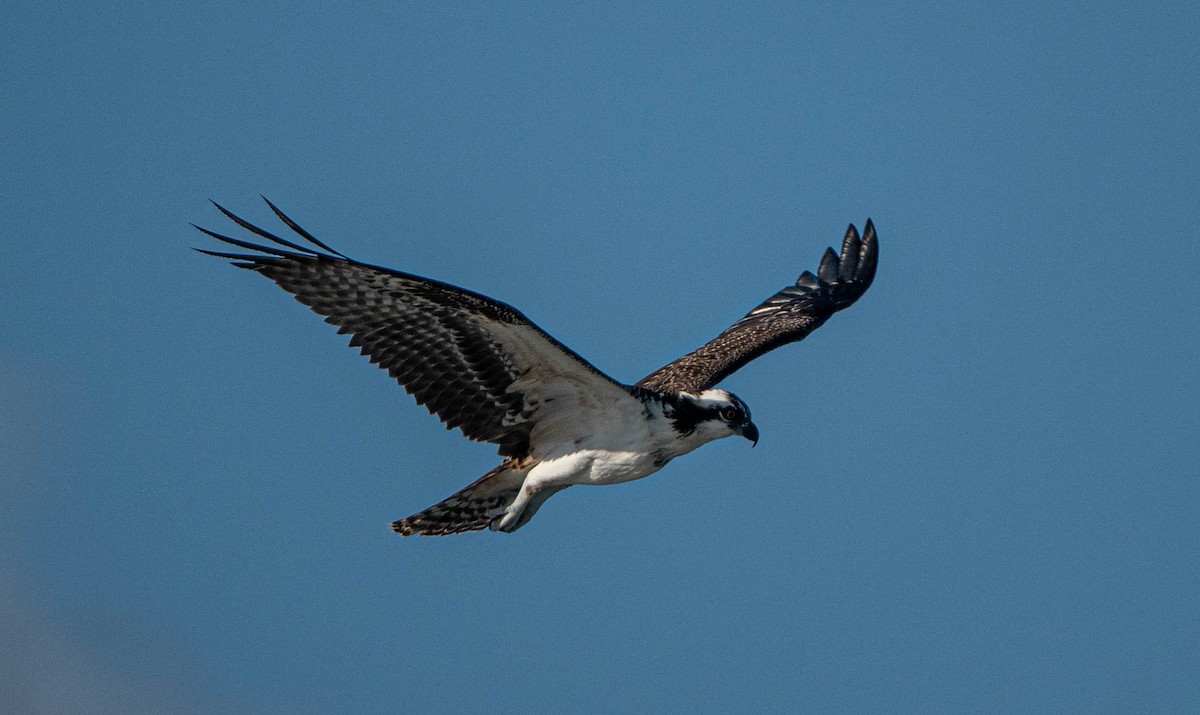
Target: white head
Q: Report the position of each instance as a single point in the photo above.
(710, 414)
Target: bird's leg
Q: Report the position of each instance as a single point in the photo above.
(508, 520)
(543, 481)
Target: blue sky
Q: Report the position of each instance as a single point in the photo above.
(975, 491)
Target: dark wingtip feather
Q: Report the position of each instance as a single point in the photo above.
(850, 273)
(849, 258)
(263, 232)
(851, 235)
(298, 228)
(256, 260)
(828, 270)
(222, 254)
(239, 260)
(868, 255)
(808, 281)
(252, 246)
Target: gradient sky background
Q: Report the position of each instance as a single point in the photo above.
(976, 490)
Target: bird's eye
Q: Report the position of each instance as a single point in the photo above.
(729, 414)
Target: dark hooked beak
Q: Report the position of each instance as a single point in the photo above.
(750, 432)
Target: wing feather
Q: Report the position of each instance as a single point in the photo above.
(788, 316)
(478, 364)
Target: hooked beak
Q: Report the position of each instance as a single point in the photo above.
(750, 432)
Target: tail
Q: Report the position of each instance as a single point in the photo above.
(471, 509)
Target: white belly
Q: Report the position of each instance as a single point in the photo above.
(615, 467)
(594, 466)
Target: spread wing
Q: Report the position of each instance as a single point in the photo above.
(478, 364)
(788, 316)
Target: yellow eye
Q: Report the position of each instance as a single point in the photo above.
(729, 414)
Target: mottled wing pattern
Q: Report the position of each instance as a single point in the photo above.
(470, 509)
(478, 364)
(788, 316)
(477, 506)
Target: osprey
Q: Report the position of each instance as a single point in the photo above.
(482, 366)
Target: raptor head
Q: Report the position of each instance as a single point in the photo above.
(713, 414)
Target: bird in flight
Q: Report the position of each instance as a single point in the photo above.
(481, 366)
